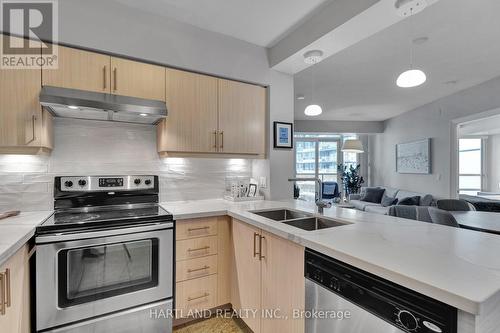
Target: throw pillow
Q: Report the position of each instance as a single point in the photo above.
(427, 200)
(388, 201)
(373, 194)
(410, 201)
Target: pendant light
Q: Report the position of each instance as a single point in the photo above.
(413, 77)
(353, 146)
(312, 58)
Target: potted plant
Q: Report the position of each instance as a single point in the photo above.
(351, 180)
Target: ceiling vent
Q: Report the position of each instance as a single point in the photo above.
(407, 8)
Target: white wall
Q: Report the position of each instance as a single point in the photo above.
(111, 27)
(429, 121)
(492, 164)
(103, 148)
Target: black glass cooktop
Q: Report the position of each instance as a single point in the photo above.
(104, 216)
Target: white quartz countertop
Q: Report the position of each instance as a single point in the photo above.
(456, 266)
(17, 230)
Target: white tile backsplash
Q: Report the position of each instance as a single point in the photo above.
(85, 147)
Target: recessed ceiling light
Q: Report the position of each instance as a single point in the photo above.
(411, 78)
(143, 114)
(313, 57)
(72, 107)
(313, 110)
(301, 97)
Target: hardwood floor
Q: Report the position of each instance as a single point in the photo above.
(214, 325)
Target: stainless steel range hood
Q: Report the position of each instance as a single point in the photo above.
(72, 103)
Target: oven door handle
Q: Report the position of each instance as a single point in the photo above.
(69, 236)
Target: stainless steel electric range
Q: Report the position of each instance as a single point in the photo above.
(104, 261)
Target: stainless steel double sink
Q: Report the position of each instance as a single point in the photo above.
(299, 219)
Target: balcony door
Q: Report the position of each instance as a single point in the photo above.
(315, 158)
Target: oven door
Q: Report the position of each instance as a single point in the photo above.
(95, 273)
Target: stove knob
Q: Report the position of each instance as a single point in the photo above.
(147, 182)
(407, 320)
(137, 181)
(82, 182)
(68, 183)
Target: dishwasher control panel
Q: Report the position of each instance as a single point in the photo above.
(403, 308)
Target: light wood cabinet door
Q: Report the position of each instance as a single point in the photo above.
(78, 69)
(137, 79)
(242, 118)
(191, 125)
(15, 276)
(24, 128)
(282, 284)
(246, 275)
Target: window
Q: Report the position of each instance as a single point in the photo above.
(317, 156)
(470, 166)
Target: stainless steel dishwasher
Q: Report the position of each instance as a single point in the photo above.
(343, 299)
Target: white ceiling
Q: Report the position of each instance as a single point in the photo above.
(358, 83)
(261, 22)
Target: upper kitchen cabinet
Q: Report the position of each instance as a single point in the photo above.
(137, 79)
(24, 127)
(78, 69)
(242, 118)
(191, 124)
(207, 115)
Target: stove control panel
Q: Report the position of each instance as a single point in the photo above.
(105, 183)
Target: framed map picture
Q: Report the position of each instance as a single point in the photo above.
(283, 135)
(414, 157)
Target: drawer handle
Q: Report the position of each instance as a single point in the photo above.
(198, 269)
(7, 287)
(260, 248)
(195, 298)
(198, 229)
(255, 253)
(115, 80)
(2, 290)
(199, 249)
(104, 77)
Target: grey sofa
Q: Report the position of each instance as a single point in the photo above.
(354, 199)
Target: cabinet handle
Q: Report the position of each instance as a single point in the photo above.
(198, 229)
(221, 139)
(2, 290)
(215, 139)
(255, 235)
(198, 269)
(115, 80)
(7, 287)
(33, 133)
(198, 297)
(199, 249)
(104, 77)
(260, 248)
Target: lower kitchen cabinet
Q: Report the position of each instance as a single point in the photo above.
(246, 273)
(202, 264)
(283, 285)
(15, 293)
(268, 274)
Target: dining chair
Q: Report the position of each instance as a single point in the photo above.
(418, 213)
(443, 217)
(455, 205)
